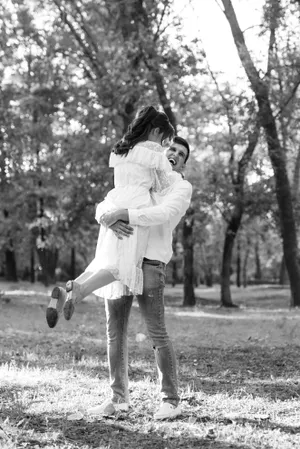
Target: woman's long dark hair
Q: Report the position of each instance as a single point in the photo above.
(138, 131)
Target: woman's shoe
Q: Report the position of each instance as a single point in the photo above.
(74, 296)
(56, 305)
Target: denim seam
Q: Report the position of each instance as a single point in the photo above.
(122, 353)
(162, 324)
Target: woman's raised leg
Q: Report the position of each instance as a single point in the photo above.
(80, 288)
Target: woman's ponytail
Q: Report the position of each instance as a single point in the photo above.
(146, 119)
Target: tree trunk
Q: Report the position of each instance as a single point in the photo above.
(231, 231)
(32, 268)
(283, 273)
(245, 265)
(73, 263)
(174, 273)
(174, 261)
(209, 277)
(151, 59)
(10, 263)
(236, 217)
(32, 214)
(276, 153)
(48, 259)
(296, 180)
(10, 257)
(162, 94)
(188, 245)
(286, 210)
(258, 275)
(238, 264)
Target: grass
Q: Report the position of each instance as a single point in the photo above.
(238, 371)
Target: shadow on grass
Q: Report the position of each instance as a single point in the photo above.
(117, 433)
(277, 391)
(261, 423)
(261, 372)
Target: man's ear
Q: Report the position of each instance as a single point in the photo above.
(156, 131)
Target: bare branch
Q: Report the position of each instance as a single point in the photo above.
(226, 105)
(157, 33)
(83, 45)
(290, 97)
(272, 41)
(85, 29)
(245, 159)
(257, 84)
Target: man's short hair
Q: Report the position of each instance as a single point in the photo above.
(183, 142)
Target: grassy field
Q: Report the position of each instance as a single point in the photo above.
(238, 370)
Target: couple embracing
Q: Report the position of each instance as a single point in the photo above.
(137, 219)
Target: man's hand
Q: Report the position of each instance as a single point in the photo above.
(109, 218)
(121, 229)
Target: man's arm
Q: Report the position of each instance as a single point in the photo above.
(173, 205)
(119, 228)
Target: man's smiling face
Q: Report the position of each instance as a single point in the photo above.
(177, 155)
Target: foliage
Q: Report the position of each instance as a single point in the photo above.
(72, 77)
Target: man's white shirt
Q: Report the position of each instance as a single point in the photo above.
(162, 218)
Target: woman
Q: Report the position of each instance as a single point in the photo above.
(139, 167)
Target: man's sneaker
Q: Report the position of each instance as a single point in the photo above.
(167, 411)
(74, 296)
(56, 305)
(108, 408)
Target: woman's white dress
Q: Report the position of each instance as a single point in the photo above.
(145, 168)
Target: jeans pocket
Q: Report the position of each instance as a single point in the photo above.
(161, 274)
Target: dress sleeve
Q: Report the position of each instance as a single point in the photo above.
(151, 155)
(145, 154)
(163, 177)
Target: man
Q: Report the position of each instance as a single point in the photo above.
(162, 218)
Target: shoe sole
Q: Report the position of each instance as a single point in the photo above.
(69, 306)
(52, 314)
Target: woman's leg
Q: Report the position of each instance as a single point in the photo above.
(95, 281)
(83, 286)
(64, 300)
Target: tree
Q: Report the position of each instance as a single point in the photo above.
(188, 244)
(235, 218)
(260, 88)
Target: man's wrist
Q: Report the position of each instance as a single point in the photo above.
(133, 216)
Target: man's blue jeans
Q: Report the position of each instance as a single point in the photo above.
(151, 304)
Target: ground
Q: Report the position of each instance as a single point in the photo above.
(238, 371)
